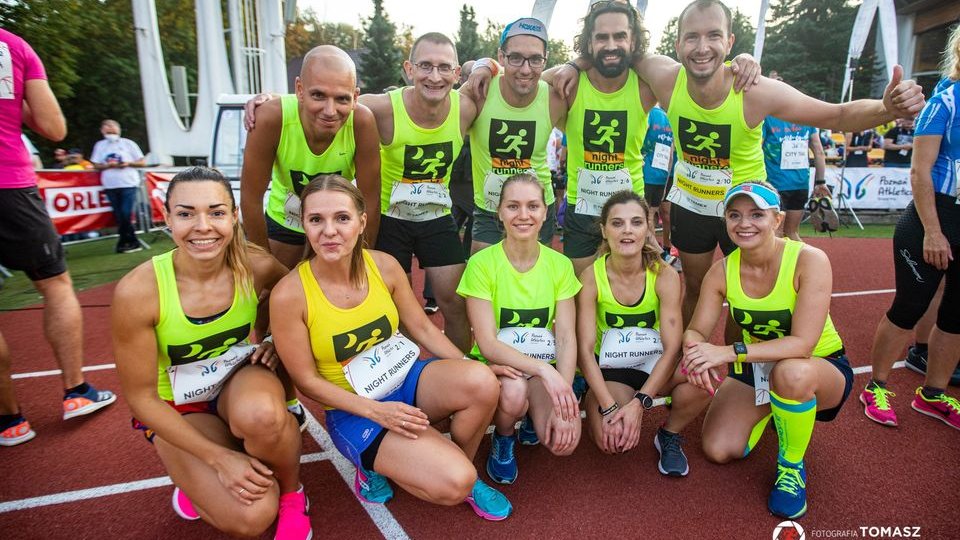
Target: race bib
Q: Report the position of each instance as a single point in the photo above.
(537, 343)
(793, 154)
(291, 211)
(381, 369)
(419, 201)
(661, 156)
(700, 190)
(595, 187)
(631, 348)
(761, 382)
(202, 380)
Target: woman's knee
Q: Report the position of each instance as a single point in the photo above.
(454, 484)
(793, 379)
(249, 523)
(480, 383)
(259, 417)
(720, 451)
(513, 396)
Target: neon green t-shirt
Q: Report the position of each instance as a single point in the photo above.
(527, 299)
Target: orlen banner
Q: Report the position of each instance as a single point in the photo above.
(75, 200)
(877, 188)
(156, 184)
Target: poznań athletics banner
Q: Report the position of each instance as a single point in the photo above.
(871, 188)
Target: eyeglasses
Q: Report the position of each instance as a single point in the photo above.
(427, 68)
(517, 60)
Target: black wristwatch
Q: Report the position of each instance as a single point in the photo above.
(645, 400)
(740, 349)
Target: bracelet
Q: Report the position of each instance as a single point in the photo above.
(574, 65)
(819, 182)
(488, 63)
(610, 410)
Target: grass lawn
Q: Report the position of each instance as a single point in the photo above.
(95, 263)
(91, 263)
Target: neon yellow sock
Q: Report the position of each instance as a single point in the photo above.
(756, 433)
(794, 421)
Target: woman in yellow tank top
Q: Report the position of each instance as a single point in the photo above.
(333, 322)
(185, 316)
(790, 364)
(629, 287)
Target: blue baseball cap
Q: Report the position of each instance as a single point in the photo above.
(526, 26)
(764, 197)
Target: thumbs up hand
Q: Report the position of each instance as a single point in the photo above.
(903, 98)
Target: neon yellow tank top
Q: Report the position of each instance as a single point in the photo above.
(180, 341)
(415, 166)
(715, 150)
(604, 135)
(337, 334)
(613, 314)
(295, 164)
(506, 140)
(770, 317)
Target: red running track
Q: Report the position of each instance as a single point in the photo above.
(861, 474)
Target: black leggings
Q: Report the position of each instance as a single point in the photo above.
(917, 281)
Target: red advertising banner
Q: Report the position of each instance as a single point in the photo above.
(75, 200)
(156, 184)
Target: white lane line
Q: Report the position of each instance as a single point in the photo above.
(115, 489)
(863, 293)
(53, 372)
(389, 526)
(869, 369)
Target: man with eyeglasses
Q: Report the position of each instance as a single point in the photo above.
(510, 132)
(319, 130)
(421, 133)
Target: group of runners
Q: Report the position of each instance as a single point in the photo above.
(234, 326)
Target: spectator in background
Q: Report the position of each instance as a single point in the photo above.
(29, 242)
(32, 150)
(116, 158)
(59, 158)
(898, 144)
(858, 146)
(75, 161)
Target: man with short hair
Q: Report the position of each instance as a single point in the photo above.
(116, 157)
(898, 144)
(29, 242)
(421, 131)
(319, 130)
(511, 130)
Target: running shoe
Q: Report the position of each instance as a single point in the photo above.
(76, 404)
(489, 503)
(943, 408)
(579, 386)
(300, 413)
(673, 462)
(876, 405)
(502, 463)
(182, 505)
(293, 517)
(526, 434)
(430, 307)
(372, 487)
(789, 496)
(917, 361)
(16, 433)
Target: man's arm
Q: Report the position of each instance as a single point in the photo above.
(367, 163)
(41, 112)
(258, 157)
(774, 98)
(379, 105)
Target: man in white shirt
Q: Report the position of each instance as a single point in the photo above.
(115, 158)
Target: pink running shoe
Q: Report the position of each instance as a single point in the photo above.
(293, 519)
(943, 408)
(876, 405)
(182, 505)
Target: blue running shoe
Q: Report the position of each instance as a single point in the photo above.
(502, 464)
(789, 496)
(489, 503)
(372, 487)
(526, 434)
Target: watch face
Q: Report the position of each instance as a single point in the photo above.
(739, 348)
